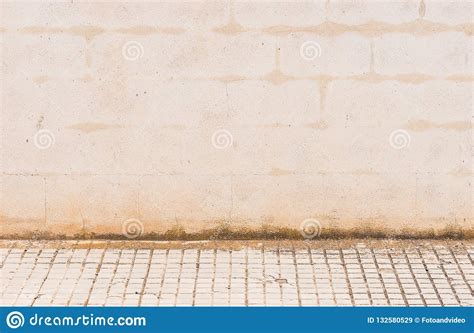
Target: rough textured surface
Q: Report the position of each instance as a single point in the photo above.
(250, 113)
(245, 274)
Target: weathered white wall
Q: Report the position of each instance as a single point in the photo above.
(199, 113)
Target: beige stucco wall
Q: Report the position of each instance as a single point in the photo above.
(352, 113)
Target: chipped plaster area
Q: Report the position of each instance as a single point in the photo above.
(236, 120)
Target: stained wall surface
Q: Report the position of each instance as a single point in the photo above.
(193, 114)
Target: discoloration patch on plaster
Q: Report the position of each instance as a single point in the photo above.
(277, 76)
(422, 9)
(414, 78)
(86, 32)
(40, 79)
(280, 172)
(462, 172)
(39, 123)
(320, 125)
(148, 30)
(232, 27)
(372, 29)
(230, 244)
(86, 78)
(92, 127)
(460, 78)
(90, 32)
(364, 172)
(229, 78)
(420, 125)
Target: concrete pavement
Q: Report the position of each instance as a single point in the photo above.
(360, 273)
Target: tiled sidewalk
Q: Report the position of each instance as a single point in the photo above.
(302, 275)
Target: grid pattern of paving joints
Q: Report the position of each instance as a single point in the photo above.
(360, 276)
